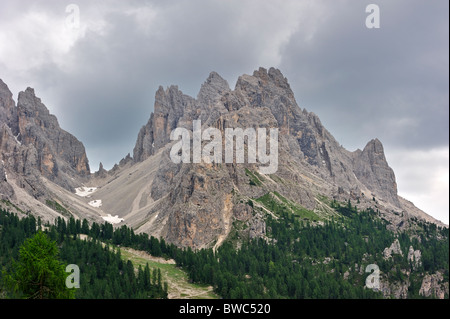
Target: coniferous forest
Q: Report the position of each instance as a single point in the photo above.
(104, 274)
(298, 259)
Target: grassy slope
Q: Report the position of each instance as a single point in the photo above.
(177, 279)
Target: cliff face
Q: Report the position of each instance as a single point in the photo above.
(170, 107)
(57, 149)
(33, 145)
(44, 170)
(372, 169)
(197, 203)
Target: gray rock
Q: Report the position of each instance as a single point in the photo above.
(257, 228)
(35, 151)
(393, 249)
(101, 173)
(58, 151)
(6, 191)
(396, 290)
(8, 110)
(372, 169)
(414, 256)
(195, 204)
(170, 107)
(433, 285)
(311, 161)
(212, 90)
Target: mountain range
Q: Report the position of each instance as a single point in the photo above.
(45, 170)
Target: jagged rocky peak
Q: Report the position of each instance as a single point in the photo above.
(32, 143)
(144, 146)
(6, 97)
(271, 89)
(171, 105)
(57, 148)
(125, 160)
(32, 112)
(310, 159)
(274, 75)
(174, 109)
(8, 111)
(263, 78)
(375, 147)
(372, 169)
(212, 89)
(4, 90)
(102, 172)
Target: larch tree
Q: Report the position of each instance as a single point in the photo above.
(38, 274)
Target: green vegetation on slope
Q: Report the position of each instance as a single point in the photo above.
(299, 258)
(279, 205)
(255, 178)
(38, 274)
(53, 204)
(103, 273)
(178, 284)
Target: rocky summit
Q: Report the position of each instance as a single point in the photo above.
(45, 170)
(36, 153)
(324, 212)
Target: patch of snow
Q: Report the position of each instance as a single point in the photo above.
(113, 219)
(95, 203)
(16, 138)
(84, 191)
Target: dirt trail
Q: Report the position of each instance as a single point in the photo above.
(149, 257)
(177, 280)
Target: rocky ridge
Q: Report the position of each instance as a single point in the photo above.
(34, 151)
(311, 161)
(195, 205)
(433, 285)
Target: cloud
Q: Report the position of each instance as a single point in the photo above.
(100, 79)
(359, 79)
(104, 74)
(423, 177)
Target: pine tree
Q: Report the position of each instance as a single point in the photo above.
(38, 274)
(159, 278)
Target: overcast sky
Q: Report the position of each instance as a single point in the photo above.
(98, 74)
